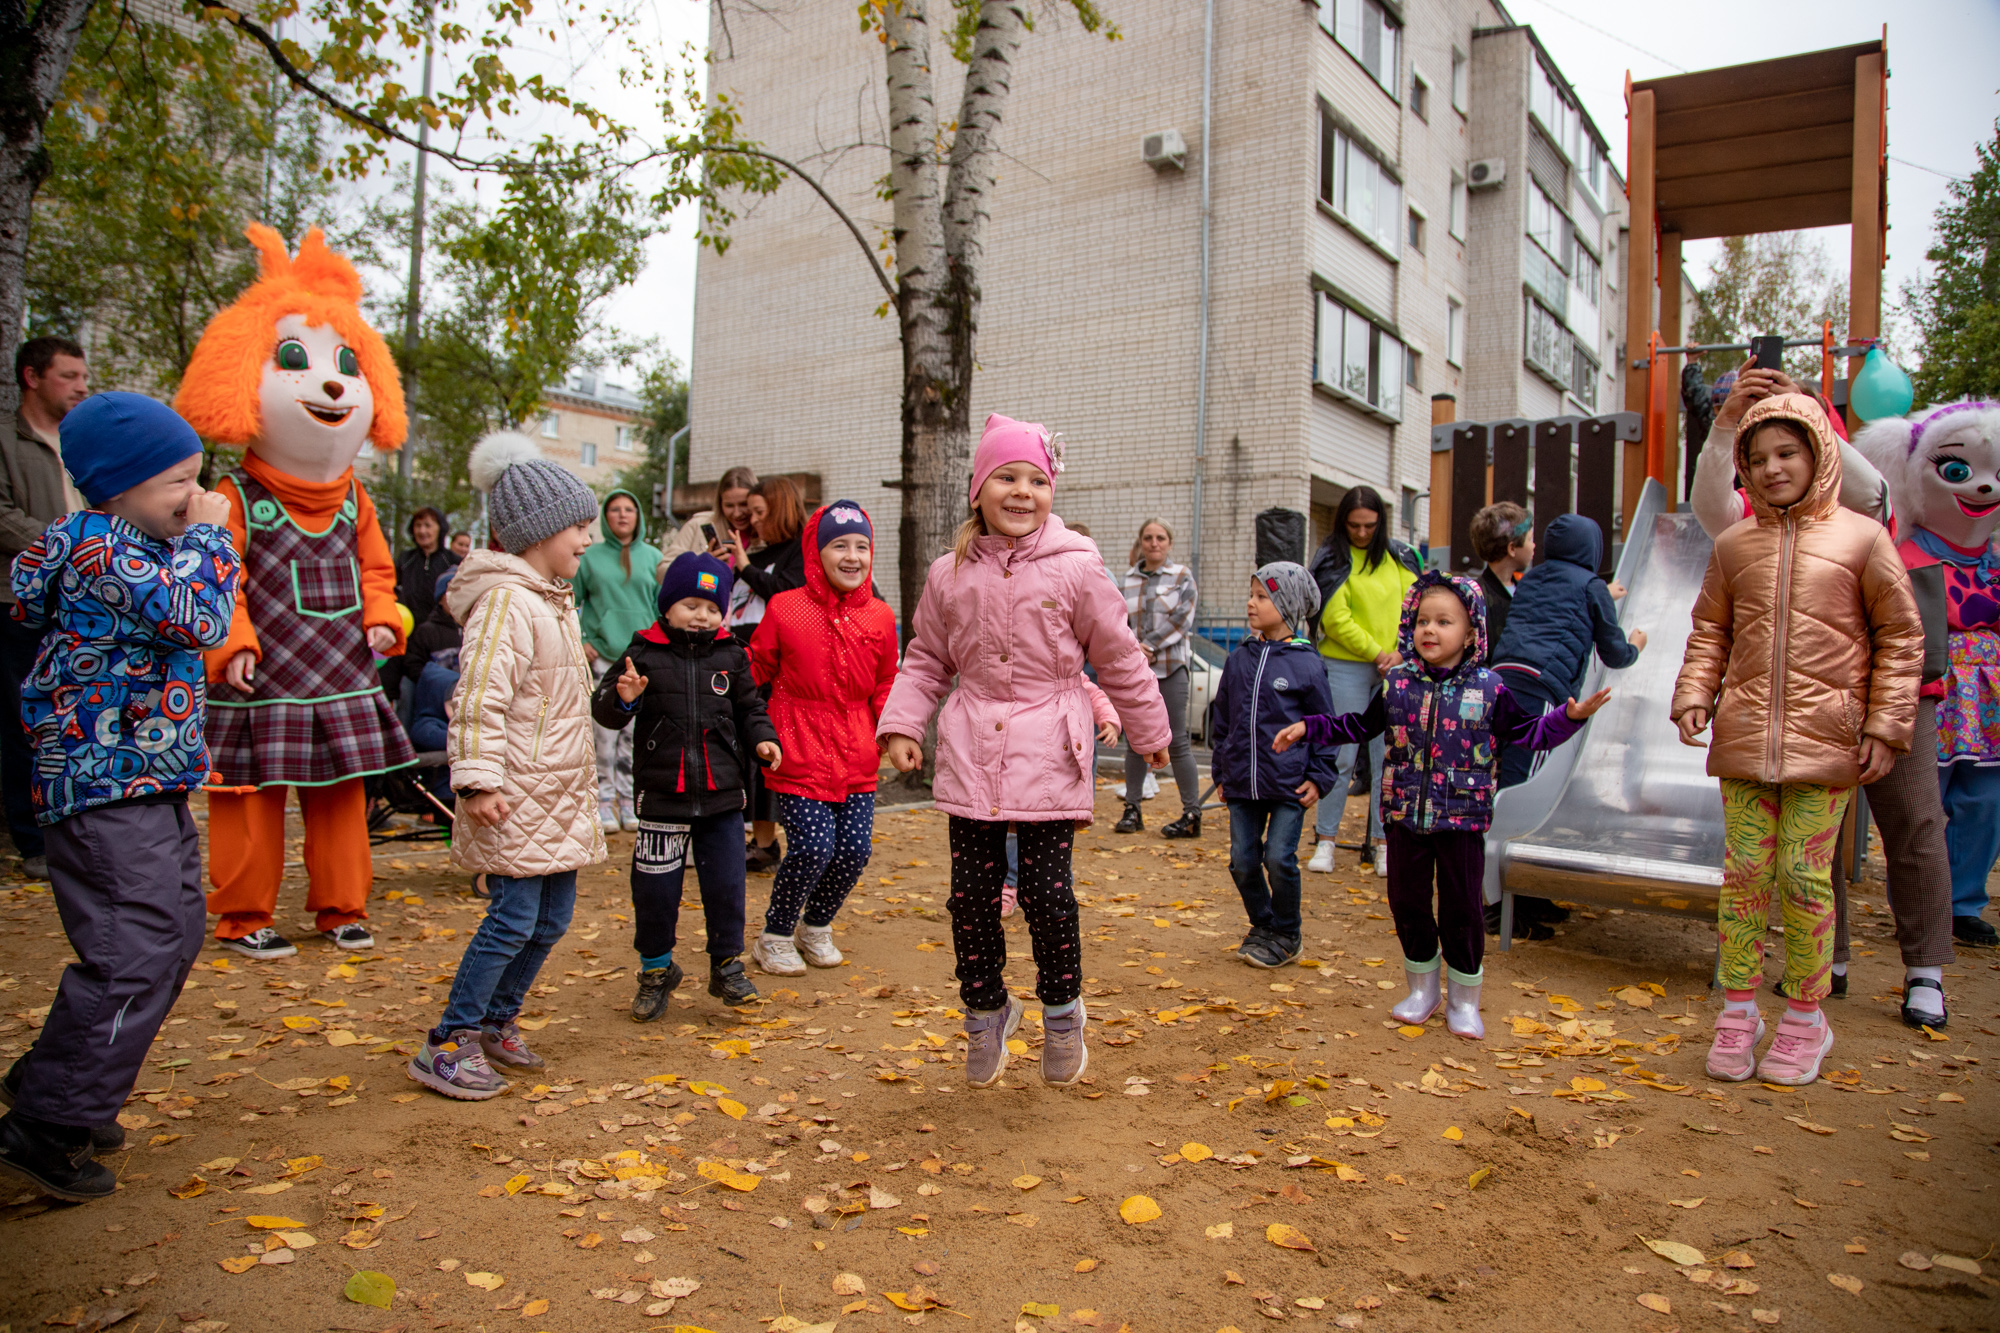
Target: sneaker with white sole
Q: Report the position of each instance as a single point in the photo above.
(456, 1068)
(816, 945)
(1064, 1055)
(607, 817)
(1322, 858)
(628, 817)
(1796, 1051)
(353, 935)
(986, 1037)
(777, 955)
(1382, 863)
(1733, 1054)
(261, 943)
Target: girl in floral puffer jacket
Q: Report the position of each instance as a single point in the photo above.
(1447, 718)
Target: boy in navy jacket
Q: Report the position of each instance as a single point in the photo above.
(1271, 681)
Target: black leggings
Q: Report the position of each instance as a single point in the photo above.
(1047, 897)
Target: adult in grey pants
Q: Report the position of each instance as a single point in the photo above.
(1160, 602)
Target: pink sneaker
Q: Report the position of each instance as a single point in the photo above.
(1797, 1050)
(1008, 897)
(1734, 1053)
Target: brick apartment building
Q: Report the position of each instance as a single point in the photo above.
(1410, 213)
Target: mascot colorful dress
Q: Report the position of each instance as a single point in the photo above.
(1943, 470)
(292, 373)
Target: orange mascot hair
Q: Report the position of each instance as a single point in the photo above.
(218, 394)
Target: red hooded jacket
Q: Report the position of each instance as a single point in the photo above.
(830, 658)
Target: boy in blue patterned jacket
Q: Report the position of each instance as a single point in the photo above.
(131, 590)
(1447, 718)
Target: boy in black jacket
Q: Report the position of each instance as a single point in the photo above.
(688, 684)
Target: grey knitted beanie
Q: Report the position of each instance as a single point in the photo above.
(528, 497)
(1296, 595)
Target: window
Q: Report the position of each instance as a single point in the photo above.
(1371, 34)
(1412, 375)
(1416, 231)
(1420, 96)
(1554, 353)
(589, 455)
(1583, 378)
(1357, 187)
(1589, 275)
(1455, 222)
(551, 426)
(624, 439)
(1454, 332)
(1360, 360)
(1461, 81)
(1550, 228)
(1548, 104)
(1592, 172)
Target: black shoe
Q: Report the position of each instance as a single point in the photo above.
(1265, 948)
(103, 1138)
(1131, 821)
(1525, 927)
(1911, 1018)
(761, 858)
(655, 985)
(380, 812)
(728, 983)
(262, 943)
(353, 935)
(1187, 826)
(1539, 910)
(1837, 983)
(1974, 930)
(55, 1157)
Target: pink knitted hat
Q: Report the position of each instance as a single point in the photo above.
(1006, 440)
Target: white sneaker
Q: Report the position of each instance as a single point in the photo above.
(1382, 860)
(607, 817)
(1150, 788)
(777, 955)
(815, 943)
(628, 818)
(1322, 858)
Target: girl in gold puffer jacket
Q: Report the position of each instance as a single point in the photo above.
(1806, 652)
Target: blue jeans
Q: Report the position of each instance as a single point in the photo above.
(660, 857)
(523, 922)
(1352, 685)
(1971, 831)
(1264, 862)
(826, 848)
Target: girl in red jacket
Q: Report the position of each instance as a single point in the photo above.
(828, 650)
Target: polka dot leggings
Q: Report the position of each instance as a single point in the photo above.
(826, 848)
(1047, 898)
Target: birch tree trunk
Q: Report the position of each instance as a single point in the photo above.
(34, 56)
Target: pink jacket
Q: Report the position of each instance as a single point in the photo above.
(1014, 624)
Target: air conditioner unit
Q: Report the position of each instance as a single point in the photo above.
(1486, 173)
(1164, 150)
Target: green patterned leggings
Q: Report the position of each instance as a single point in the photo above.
(1779, 838)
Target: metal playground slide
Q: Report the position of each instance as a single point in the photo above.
(1624, 815)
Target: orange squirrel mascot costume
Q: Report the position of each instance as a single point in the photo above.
(292, 373)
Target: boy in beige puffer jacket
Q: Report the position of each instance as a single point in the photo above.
(523, 758)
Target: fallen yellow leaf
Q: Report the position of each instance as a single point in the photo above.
(1196, 1152)
(266, 1223)
(238, 1263)
(485, 1281)
(1025, 1182)
(515, 1184)
(1850, 1285)
(725, 1175)
(1454, 1133)
(1478, 1178)
(1085, 1266)
(1657, 1303)
(1674, 1252)
(735, 1110)
(536, 1308)
(1040, 1310)
(1138, 1209)
(1287, 1237)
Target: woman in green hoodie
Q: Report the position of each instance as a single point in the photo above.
(615, 592)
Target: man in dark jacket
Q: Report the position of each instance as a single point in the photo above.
(52, 377)
(418, 569)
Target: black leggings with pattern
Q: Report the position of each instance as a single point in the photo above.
(1047, 897)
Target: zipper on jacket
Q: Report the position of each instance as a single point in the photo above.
(1782, 615)
(1256, 693)
(541, 721)
(693, 730)
(1428, 713)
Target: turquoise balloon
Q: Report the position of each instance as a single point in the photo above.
(1881, 389)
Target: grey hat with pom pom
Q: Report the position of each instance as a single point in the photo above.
(528, 498)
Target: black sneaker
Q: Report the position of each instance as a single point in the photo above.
(353, 935)
(1974, 930)
(55, 1157)
(103, 1138)
(1264, 948)
(262, 943)
(1130, 822)
(728, 982)
(1187, 826)
(655, 985)
(761, 858)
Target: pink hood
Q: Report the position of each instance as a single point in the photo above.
(1015, 623)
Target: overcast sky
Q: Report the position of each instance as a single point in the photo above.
(1942, 101)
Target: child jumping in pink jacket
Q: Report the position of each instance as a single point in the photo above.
(1013, 612)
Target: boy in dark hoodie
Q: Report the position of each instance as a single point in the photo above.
(1274, 678)
(430, 664)
(688, 684)
(1445, 716)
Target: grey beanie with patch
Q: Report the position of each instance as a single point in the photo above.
(529, 498)
(1296, 595)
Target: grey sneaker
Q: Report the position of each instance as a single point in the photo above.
(456, 1068)
(506, 1047)
(35, 867)
(986, 1043)
(1064, 1056)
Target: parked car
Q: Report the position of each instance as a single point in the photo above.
(1204, 677)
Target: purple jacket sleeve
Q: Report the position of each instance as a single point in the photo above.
(1348, 728)
(1514, 725)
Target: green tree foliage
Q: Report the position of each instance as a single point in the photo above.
(1775, 283)
(1956, 306)
(664, 392)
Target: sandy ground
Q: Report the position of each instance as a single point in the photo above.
(819, 1160)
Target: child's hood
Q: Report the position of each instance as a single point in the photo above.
(1823, 495)
(1468, 592)
(1574, 539)
(817, 582)
(483, 571)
